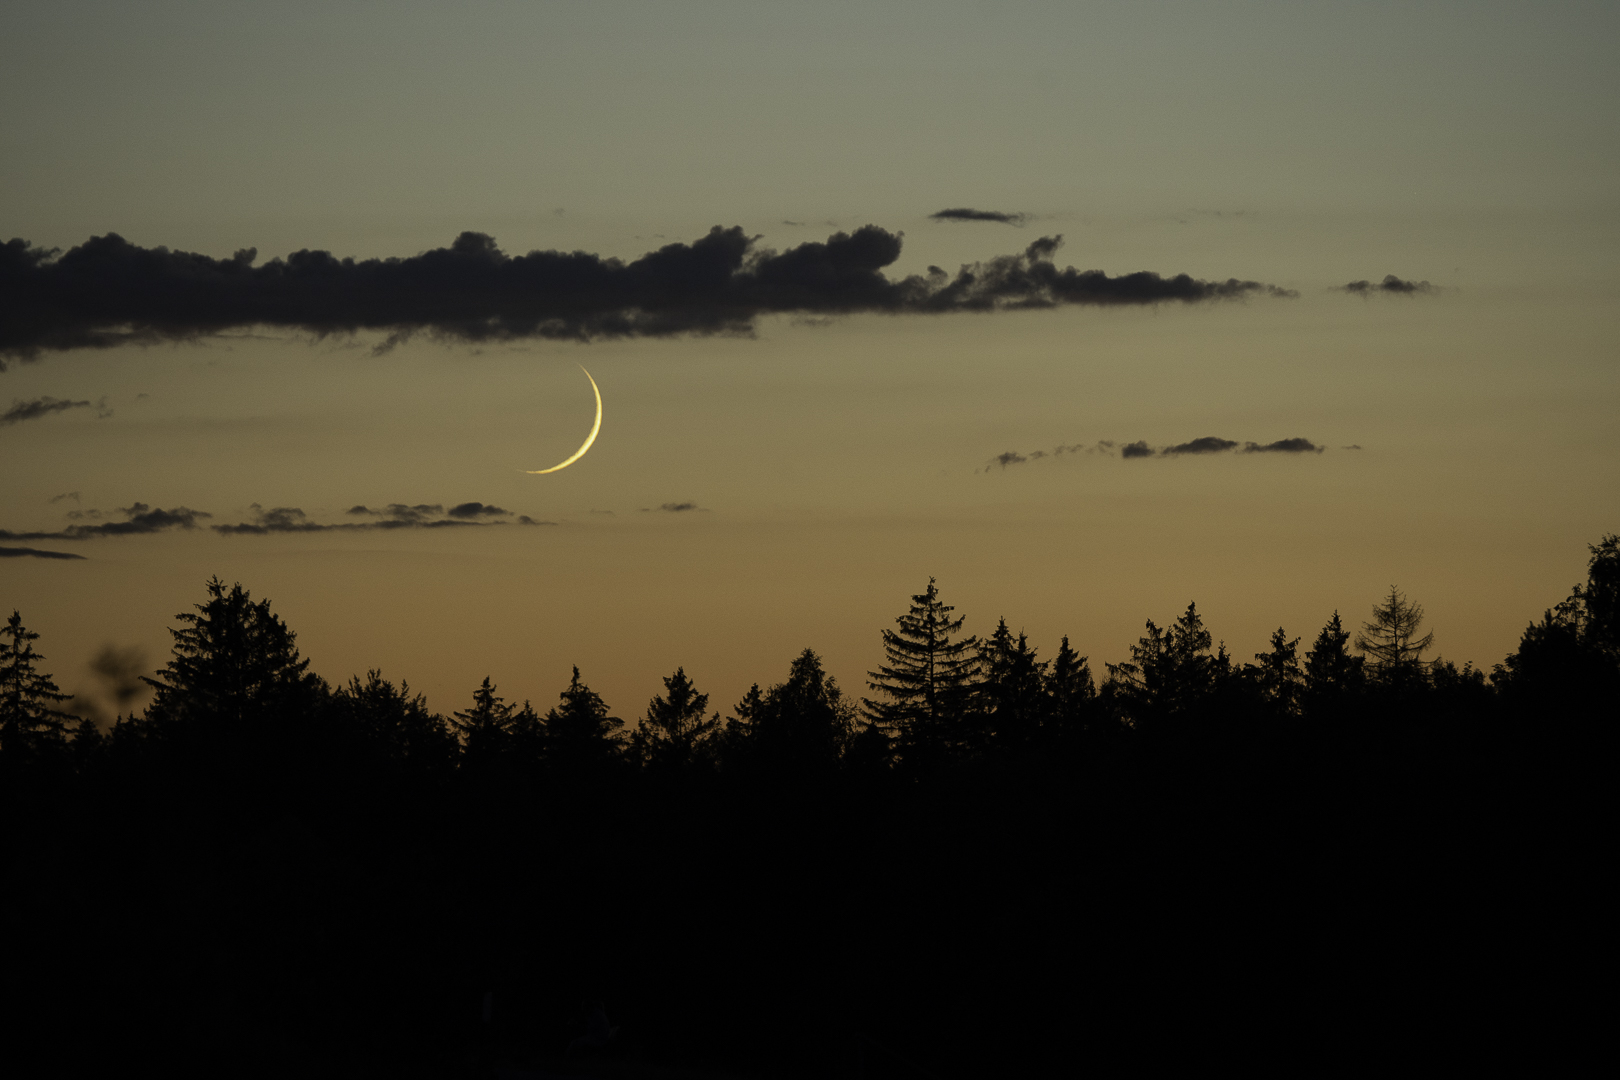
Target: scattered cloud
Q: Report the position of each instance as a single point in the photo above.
(674, 508)
(108, 292)
(1013, 457)
(36, 553)
(1390, 286)
(525, 519)
(42, 406)
(1136, 449)
(74, 495)
(965, 214)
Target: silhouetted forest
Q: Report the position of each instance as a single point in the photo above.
(986, 862)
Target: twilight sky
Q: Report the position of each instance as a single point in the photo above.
(862, 422)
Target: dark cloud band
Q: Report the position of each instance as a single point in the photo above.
(107, 291)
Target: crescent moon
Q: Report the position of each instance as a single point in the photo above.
(588, 439)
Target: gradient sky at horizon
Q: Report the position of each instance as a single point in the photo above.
(836, 464)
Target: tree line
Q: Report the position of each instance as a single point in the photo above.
(938, 696)
(987, 856)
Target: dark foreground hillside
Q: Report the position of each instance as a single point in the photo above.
(1325, 864)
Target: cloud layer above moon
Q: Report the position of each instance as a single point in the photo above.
(107, 291)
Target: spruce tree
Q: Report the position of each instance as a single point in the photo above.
(675, 733)
(1171, 671)
(925, 682)
(1009, 691)
(28, 723)
(233, 660)
(1331, 673)
(804, 724)
(579, 731)
(484, 728)
(395, 722)
(1281, 680)
(1071, 694)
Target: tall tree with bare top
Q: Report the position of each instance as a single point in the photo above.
(1391, 643)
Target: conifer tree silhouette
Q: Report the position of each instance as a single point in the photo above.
(1071, 693)
(1170, 672)
(396, 722)
(1009, 691)
(675, 733)
(1280, 677)
(1599, 598)
(925, 682)
(28, 722)
(734, 743)
(233, 661)
(804, 724)
(485, 728)
(1331, 673)
(1570, 660)
(579, 731)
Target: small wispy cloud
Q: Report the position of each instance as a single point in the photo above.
(673, 508)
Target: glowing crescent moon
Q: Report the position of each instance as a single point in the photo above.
(588, 439)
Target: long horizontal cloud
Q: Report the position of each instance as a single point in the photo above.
(108, 291)
(964, 214)
(1390, 286)
(1208, 444)
(290, 519)
(139, 520)
(36, 553)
